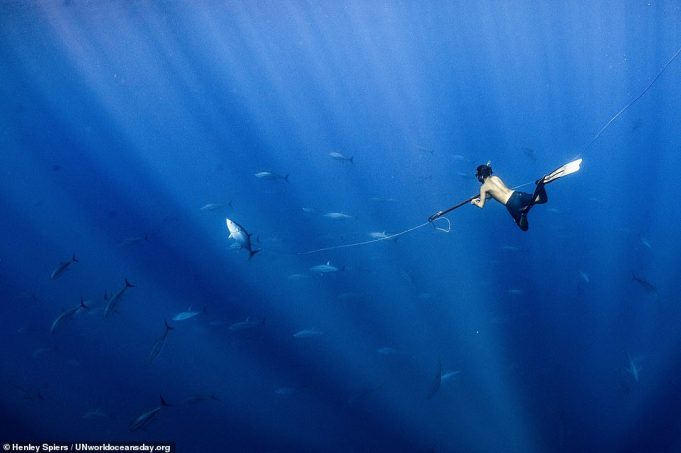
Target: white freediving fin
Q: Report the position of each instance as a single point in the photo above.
(567, 169)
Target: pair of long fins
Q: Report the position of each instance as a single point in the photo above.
(567, 169)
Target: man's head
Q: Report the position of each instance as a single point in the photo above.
(482, 172)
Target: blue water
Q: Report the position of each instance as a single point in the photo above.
(120, 120)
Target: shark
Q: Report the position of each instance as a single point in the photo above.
(241, 237)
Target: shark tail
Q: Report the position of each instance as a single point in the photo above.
(286, 177)
(128, 284)
(82, 303)
(168, 327)
(164, 403)
(253, 252)
(352, 160)
(74, 259)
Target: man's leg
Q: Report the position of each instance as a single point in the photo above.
(540, 196)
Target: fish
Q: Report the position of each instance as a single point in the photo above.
(159, 343)
(68, 314)
(337, 216)
(649, 287)
(247, 323)
(213, 206)
(184, 315)
(308, 210)
(324, 268)
(307, 333)
(338, 156)
(201, 398)
(271, 176)
(381, 199)
(296, 277)
(29, 394)
(584, 276)
(113, 301)
(387, 350)
(41, 351)
(285, 391)
(240, 236)
(63, 267)
(379, 235)
(133, 240)
(510, 248)
(646, 243)
(145, 418)
(632, 368)
(97, 413)
(446, 376)
(529, 152)
(515, 292)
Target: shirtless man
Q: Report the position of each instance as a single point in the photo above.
(518, 203)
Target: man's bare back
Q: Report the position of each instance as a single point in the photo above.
(493, 187)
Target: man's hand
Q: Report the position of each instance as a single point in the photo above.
(476, 202)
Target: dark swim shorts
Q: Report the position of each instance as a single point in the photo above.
(517, 202)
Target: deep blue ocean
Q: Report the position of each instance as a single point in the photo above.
(131, 130)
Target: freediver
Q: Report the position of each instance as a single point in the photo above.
(518, 203)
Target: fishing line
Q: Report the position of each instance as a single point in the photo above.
(617, 115)
(385, 238)
(440, 215)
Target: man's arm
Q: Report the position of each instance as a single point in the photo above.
(480, 201)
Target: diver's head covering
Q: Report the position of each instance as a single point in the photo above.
(483, 171)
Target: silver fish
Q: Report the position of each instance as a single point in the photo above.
(271, 176)
(338, 156)
(145, 418)
(68, 314)
(116, 298)
(184, 315)
(133, 240)
(214, 206)
(240, 236)
(201, 398)
(337, 216)
(63, 267)
(247, 323)
(307, 333)
(324, 268)
(159, 343)
(97, 413)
